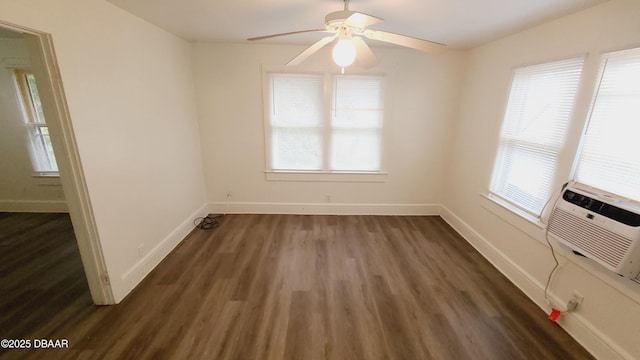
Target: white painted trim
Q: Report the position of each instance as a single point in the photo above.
(132, 277)
(320, 176)
(45, 67)
(583, 331)
(323, 208)
(43, 206)
(502, 207)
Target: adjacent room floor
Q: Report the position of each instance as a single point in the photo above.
(41, 276)
(290, 287)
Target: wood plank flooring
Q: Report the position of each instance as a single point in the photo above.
(309, 287)
(41, 273)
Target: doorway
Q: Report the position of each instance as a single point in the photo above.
(59, 133)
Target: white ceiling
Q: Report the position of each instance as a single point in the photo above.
(457, 23)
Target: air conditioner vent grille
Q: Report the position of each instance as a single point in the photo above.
(597, 242)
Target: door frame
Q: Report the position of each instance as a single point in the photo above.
(46, 70)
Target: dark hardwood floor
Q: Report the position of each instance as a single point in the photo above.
(41, 274)
(290, 287)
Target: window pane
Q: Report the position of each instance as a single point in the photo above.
(356, 123)
(48, 149)
(297, 100)
(525, 175)
(35, 98)
(533, 131)
(539, 110)
(357, 119)
(45, 160)
(297, 148)
(610, 156)
(301, 128)
(355, 150)
(358, 102)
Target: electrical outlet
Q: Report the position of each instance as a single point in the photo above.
(140, 250)
(327, 198)
(575, 301)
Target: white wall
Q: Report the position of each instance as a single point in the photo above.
(422, 95)
(608, 323)
(129, 88)
(19, 189)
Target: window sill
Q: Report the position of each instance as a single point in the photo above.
(520, 219)
(47, 179)
(514, 209)
(46, 175)
(320, 176)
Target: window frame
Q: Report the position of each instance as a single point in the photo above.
(556, 151)
(334, 128)
(325, 173)
(269, 128)
(595, 88)
(42, 154)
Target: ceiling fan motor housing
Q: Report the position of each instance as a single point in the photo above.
(337, 20)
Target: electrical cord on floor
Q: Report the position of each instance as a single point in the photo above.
(207, 222)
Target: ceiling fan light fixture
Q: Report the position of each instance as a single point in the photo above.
(342, 25)
(344, 53)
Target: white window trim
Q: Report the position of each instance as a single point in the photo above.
(381, 175)
(511, 206)
(529, 224)
(514, 208)
(587, 92)
(28, 114)
(326, 176)
(595, 88)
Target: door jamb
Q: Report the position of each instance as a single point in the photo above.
(70, 167)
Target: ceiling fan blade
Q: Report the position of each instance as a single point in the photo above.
(403, 40)
(284, 34)
(361, 20)
(363, 53)
(310, 50)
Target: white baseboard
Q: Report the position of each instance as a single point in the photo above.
(36, 206)
(597, 343)
(143, 267)
(323, 208)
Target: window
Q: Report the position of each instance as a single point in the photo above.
(325, 123)
(533, 132)
(43, 159)
(356, 123)
(296, 122)
(610, 155)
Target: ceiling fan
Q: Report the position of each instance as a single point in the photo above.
(349, 27)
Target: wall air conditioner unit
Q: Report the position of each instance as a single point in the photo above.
(599, 227)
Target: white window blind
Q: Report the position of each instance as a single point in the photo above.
(325, 122)
(356, 123)
(533, 132)
(610, 156)
(296, 121)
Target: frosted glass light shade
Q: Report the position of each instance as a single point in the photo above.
(344, 53)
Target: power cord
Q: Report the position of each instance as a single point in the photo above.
(553, 251)
(207, 222)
